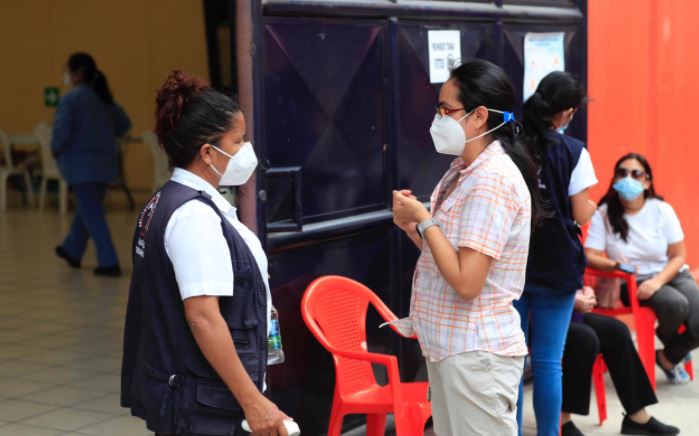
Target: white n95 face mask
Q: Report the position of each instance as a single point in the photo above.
(450, 138)
(240, 166)
(66, 79)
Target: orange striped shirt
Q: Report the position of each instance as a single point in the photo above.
(488, 211)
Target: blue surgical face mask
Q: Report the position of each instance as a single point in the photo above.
(563, 127)
(628, 188)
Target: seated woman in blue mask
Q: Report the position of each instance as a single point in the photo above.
(635, 226)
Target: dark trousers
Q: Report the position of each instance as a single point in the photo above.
(609, 336)
(90, 222)
(675, 304)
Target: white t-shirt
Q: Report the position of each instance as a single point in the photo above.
(195, 244)
(583, 175)
(651, 230)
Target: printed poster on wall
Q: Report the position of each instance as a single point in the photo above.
(543, 53)
(445, 52)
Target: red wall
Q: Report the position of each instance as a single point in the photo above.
(644, 91)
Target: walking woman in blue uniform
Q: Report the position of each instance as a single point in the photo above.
(83, 142)
(195, 341)
(556, 258)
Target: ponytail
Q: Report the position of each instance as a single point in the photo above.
(101, 87)
(84, 64)
(558, 91)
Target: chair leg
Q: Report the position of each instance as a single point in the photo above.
(690, 369)
(336, 416)
(376, 424)
(409, 421)
(645, 334)
(3, 192)
(598, 381)
(30, 188)
(42, 193)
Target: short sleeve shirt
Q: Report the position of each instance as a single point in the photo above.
(583, 175)
(197, 248)
(651, 230)
(488, 211)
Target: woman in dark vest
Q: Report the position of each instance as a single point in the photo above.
(556, 258)
(195, 342)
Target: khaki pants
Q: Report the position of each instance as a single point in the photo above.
(475, 393)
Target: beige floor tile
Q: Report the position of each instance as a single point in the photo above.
(18, 350)
(105, 382)
(99, 363)
(52, 341)
(62, 395)
(46, 328)
(123, 425)
(107, 404)
(58, 375)
(66, 419)
(14, 368)
(16, 334)
(17, 410)
(55, 357)
(11, 388)
(26, 430)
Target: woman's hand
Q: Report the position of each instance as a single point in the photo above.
(407, 226)
(265, 418)
(407, 210)
(648, 288)
(585, 300)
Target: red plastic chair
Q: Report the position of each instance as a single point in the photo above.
(643, 319)
(334, 309)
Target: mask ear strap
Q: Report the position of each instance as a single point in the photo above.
(464, 117)
(221, 151)
(507, 117)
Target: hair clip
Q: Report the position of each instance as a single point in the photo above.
(508, 117)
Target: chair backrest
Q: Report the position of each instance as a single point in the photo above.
(334, 309)
(7, 151)
(42, 131)
(161, 169)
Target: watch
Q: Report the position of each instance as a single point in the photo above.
(424, 225)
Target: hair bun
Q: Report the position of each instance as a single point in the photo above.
(171, 100)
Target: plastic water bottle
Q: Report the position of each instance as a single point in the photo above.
(275, 353)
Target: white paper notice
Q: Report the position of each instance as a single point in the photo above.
(445, 51)
(543, 53)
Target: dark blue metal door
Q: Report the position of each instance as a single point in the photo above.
(344, 94)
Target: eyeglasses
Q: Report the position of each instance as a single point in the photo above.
(636, 174)
(442, 111)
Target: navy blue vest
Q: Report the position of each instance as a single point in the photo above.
(165, 378)
(556, 257)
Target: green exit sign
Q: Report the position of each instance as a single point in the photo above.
(51, 96)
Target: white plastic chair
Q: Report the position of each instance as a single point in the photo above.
(8, 169)
(161, 168)
(49, 170)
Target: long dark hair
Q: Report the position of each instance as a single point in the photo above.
(188, 114)
(482, 83)
(556, 92)
(615, 210)
(85, 65)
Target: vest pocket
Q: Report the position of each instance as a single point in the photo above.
(212, 408)
(214, 411)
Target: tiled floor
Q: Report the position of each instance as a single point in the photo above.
(61, 331)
